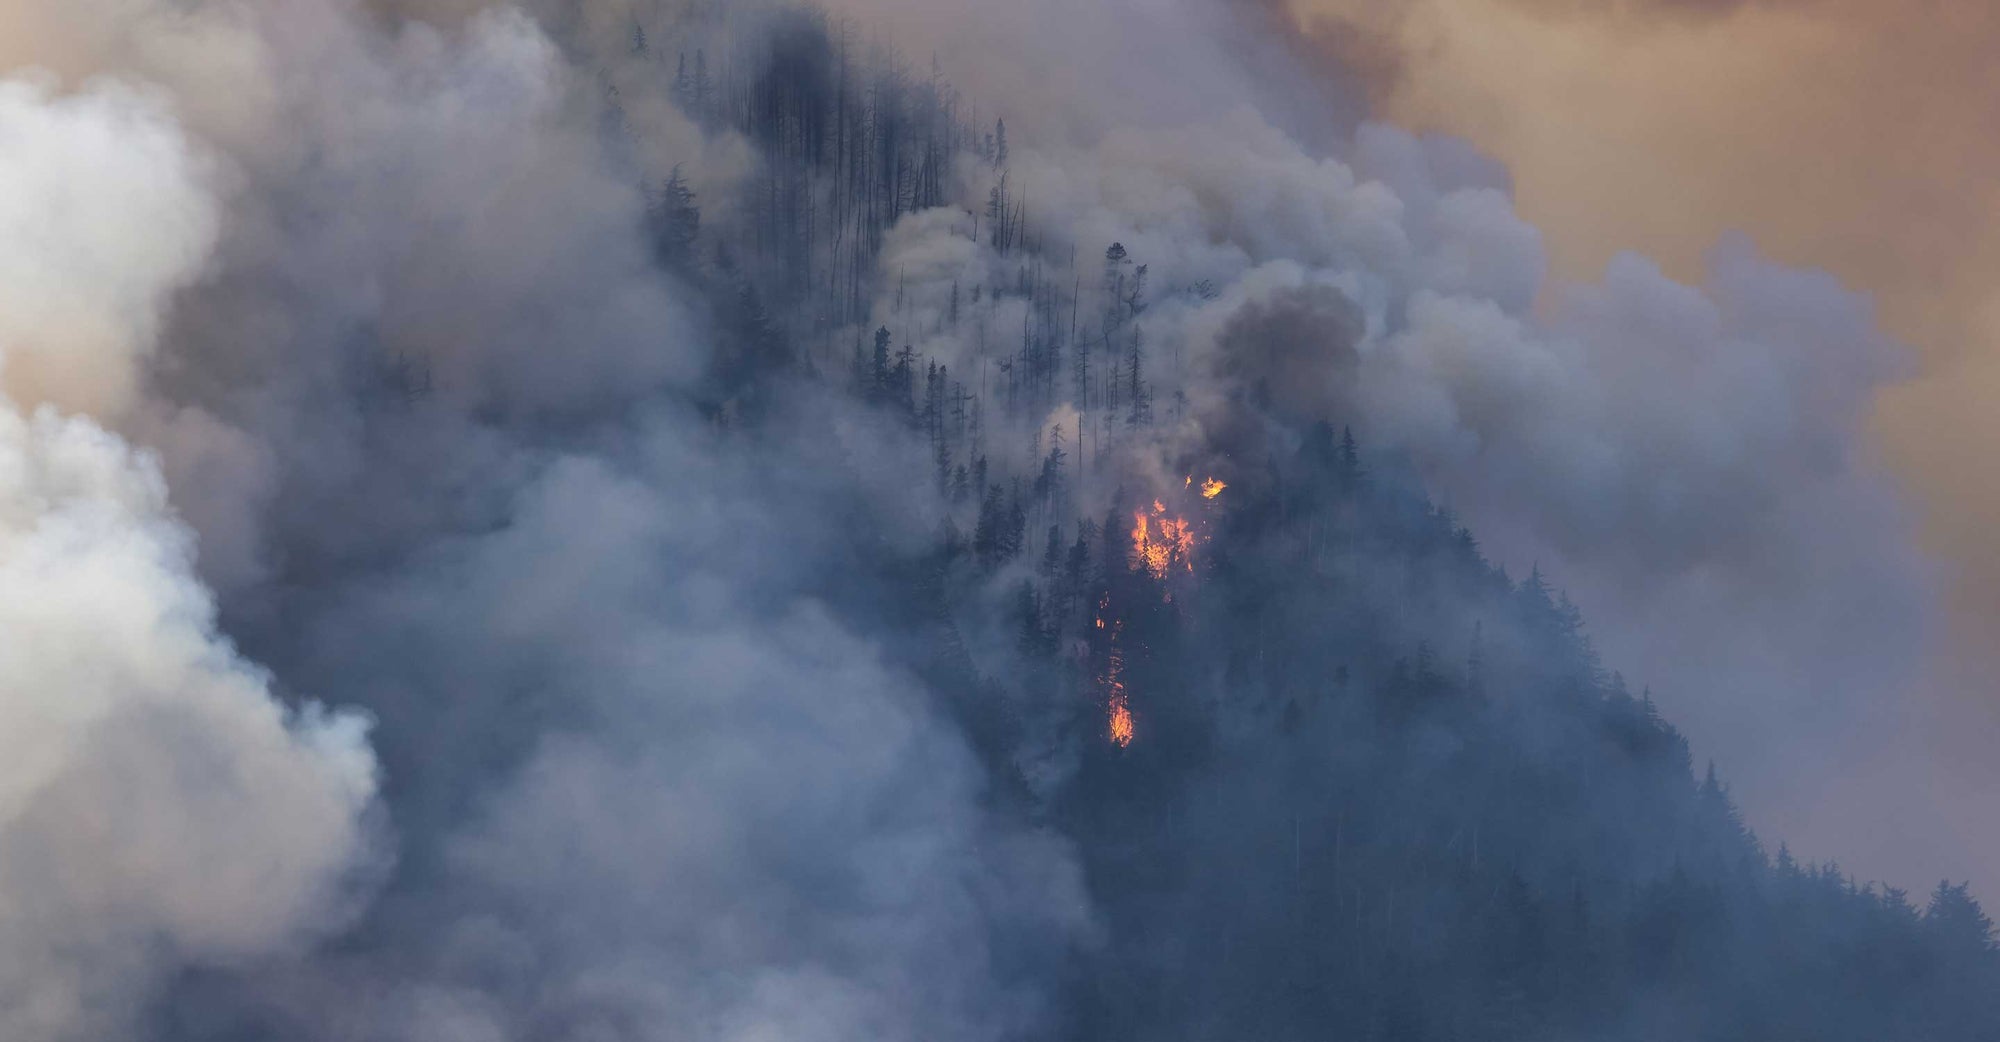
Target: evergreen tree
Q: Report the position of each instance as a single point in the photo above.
(989, 534)
(879, 383)
(1048, 482)
(902, 381)
(675, 220)
(1017, 526)
(702, 88)
(1957, 921)
(1033, 637)
(1076, 567)
(1136, 386)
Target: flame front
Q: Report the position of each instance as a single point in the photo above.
(1160, 542)
(1115, 702)
(1121, 722)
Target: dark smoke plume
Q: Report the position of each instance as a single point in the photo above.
(810, 543)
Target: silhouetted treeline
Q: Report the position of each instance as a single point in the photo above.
(1373, 787)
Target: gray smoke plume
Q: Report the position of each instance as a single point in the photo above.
(657, 760)
(1687, 461)
(158, 807)
(422, 406)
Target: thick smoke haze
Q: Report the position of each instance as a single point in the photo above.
(1661, 127)
(108, 215)
(420, 374)
(345, 367)
(1690, 461)
(138, 742)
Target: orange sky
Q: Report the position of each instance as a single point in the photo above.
(1860, 136)
(1856, 135)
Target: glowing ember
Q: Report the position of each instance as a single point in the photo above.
(1159, 542)
(1121, 723)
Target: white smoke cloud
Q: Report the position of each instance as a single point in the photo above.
(158, 806)
(105, 213)
(642, 782)
(648, 780)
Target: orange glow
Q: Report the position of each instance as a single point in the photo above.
(1211, 488)
(1121, 723)
(1159, 542)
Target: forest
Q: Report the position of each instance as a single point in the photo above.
(961, 521)
(1330, 772)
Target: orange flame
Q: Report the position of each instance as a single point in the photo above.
(1161, 542)
(1211, 488)
(1120, 729)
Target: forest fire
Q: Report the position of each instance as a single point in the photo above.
(1163, 543)
(1159, 542)
(1119, 724)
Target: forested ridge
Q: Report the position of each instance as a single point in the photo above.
(1330, 773)
(918, 521)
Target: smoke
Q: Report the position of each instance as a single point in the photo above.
(138, 744)
(1658, 127)
(108, 216)
(647, 767)
(1641, 9)
(1689, 461)
(661, 755)
(737, 819)
(140, 748)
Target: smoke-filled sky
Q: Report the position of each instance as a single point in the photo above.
(1854, 136)
(1683, 435)
(528, 706)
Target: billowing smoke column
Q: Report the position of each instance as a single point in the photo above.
(1690, 462)
(158, 807)
(431, 405)
(658, 758)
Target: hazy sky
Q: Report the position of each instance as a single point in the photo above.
(1857, 136)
